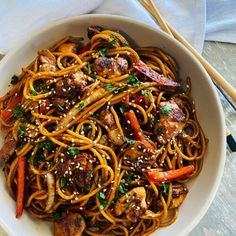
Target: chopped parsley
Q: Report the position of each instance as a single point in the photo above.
(145, 92)
(166, 110)
(87, 128)
(63, 182)
(125, 44)
(19, 147)
(122, 190)
(130, 141)
(108, 87)
(101, 196)
(95, 116)
(47, 145)
(103, 52)
(165, 188)
(128, 179)
(34, 93)
(14, 79)
(73, 151)
(59, 107)
(122, 108)
(80, 106)
(103, 202)
(17, 112)
(22, 130)
(133, 80)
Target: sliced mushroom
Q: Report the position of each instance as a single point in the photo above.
(68, 47)
(72, 225)
(133, 204)
(8, 147)
(47, 61)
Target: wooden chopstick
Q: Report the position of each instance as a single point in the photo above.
(215, 75)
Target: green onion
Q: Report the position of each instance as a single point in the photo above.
(73, 151)
(22, 130)
(17, 112)
(133, 80)
(125, 44)
(166, 110)
(122, 108)
(63, 182)
(128, 179)
(80, 106)
(108, 87)
(130, 141)
(20, 147)
(101, 196)
(47, 144)
(87, 128)
(165, 188)
(122, 189)
(89, 68)
(14, 79)
(59, 107)
(145, 92)
(103, 52)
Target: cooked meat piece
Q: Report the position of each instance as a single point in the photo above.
(72, 225)
(59, 101)
(78, 170)
(71, 86)
(171, 122)
(179, 193)
(110, 67)
(108, 119)
(94, 29)
(47, 61)
(8, 148)
(133, 204)
(44, 106)
(68, 47)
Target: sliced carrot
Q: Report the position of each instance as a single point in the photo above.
(170, 175)
(85, 48)
(20, 187)
(130, 115)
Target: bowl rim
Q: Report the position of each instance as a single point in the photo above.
(222, 149)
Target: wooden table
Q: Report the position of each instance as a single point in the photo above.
(220, 219)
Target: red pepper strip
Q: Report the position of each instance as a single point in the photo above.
(166, 176)
(130, 115)
(6, 114)
(20, 186)
(153, 75)
(127, 99)
(85, 48)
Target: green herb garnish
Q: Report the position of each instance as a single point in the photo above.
(125, 44)
(89, 68)
(155, 119)
(103, 52)
(80, 106)
(108, 87)
(34, 93)
(63, 182)
(133, 80)
(14, 79)
(122, 108)
(47, 144)
(122, 189)
(87, 128)
(17, 112)
(103, 202)
(145, 92)
(57, 214)
(165, 188)
(128, 179)
(166, 110)
(130, 141)
(86, 188)
(59, 107)
(73, 151)
(22, 130)
(20, 147)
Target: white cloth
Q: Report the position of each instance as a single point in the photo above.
(18, 18)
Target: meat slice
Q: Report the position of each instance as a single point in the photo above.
(71, 86)
(107, 118)
(110, 67)
(72, 225)
(78, 170)
(133, 204)
(8, 148)
(171, 123)
(47, 61)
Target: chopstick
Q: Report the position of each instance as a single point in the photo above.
(217, 78)
(215, 75)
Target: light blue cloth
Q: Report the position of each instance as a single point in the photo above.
(195, 20)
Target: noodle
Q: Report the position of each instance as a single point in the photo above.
(99, 127)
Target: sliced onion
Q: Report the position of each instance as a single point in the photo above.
(51, 191)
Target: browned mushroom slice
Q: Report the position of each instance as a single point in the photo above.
(133, 204)
(68, 47)
(72, 225)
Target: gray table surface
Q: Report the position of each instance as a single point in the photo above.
(220, 219)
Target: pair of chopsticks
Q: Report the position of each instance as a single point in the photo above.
(218, 79)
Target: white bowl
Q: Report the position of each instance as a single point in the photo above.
(208, 107)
